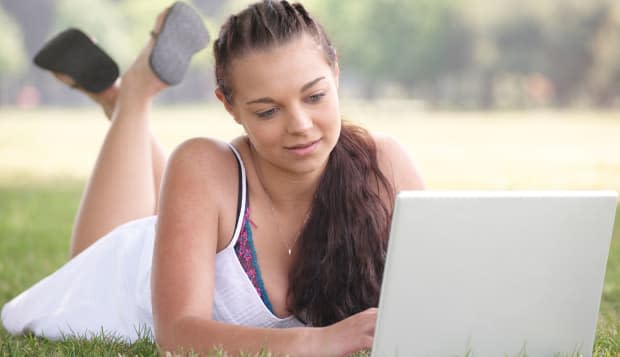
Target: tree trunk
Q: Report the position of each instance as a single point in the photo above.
(486, 99)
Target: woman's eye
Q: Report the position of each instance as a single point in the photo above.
(267, 113)
(315, 97)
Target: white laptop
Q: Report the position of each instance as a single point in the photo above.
(494, 273)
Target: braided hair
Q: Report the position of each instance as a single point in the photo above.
(341, 249)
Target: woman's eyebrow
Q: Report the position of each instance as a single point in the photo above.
(270, 100)
(261, 100)
(310, 84)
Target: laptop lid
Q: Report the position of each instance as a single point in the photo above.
(494, 273)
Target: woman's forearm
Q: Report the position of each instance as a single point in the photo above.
(203, 336)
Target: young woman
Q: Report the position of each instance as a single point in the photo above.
(286, 226)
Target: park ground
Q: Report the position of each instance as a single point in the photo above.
(46, 155)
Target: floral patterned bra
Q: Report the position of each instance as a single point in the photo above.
(246, 252)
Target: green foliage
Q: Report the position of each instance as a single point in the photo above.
(398, 40)
(139, 17)
(473, 53)
(12, 53)
(570, 43)
(425, 39)
(604, 74)
(574, 45)
(464, 52)
(121, 28)
(569, 48)
(100, 19)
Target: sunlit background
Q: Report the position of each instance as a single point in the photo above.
(501, 94)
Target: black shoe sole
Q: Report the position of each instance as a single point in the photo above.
(74, 54)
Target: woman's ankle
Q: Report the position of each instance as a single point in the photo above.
(106, 98)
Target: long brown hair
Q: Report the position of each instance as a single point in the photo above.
(342, 246)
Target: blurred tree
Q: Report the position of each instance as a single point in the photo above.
(569, 56)
(12, 56)
(122, 27)
(446, 51)
(604, 75)
(407, 42)
(100, 19)
(520, 43)
(34, 18)
(139, 18)
(551, 40)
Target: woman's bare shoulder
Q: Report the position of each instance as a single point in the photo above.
(202, 149)
(203, 166)
(203, 156)
(199, 195)
(396, 163)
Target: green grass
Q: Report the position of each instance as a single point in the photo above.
(42, 175)
(35, 224)
(101, 345)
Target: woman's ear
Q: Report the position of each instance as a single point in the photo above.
(227, 105)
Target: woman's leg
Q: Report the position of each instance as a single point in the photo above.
(125, 181)
(107, 102)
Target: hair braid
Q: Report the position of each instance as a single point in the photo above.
(339, 264)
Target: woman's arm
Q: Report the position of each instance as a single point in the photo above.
(197, 184)
(202, 335)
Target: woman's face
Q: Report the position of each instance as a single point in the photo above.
(286, 99)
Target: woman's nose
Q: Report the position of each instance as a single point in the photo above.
(299, 121)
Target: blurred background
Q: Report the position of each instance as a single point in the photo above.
(488, 94)
(454, 54)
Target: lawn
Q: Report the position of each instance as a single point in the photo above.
(45, 157)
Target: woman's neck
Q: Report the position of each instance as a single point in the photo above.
(286, 189)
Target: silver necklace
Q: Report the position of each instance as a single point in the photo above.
(259, 175)
(273, 216)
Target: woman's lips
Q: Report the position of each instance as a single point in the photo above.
(304, 149)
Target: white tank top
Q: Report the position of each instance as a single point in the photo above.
(236, 299)
(108, 286)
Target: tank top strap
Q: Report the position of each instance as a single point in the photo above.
(242, 196)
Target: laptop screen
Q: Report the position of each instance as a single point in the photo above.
(494, 273)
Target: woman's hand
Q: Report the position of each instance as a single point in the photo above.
(350, 335)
